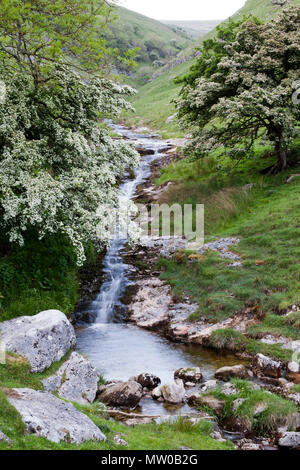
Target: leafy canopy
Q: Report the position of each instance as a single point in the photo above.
(241, 89)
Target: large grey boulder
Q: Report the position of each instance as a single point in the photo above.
(126, 394)
(174, 392)
(47, 416)
(76, 380)
(265, 366)
(42, 339)
(189, 374)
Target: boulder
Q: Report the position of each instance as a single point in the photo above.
(190, 374)
(42, 339)
(293, 367)
(149, 381)
(145, 151)
(119, 441)
(227, 373)
(76, 380)
(265, 366)
(157, 393)
(4, 438)
(126, 394)
(173, 392)
(209, 385)
(290, 440)
(216, 405)
(229, 389)
(47, 416)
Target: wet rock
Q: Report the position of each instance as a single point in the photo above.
(157, 393)
(4, 438)
(42, 339)
(173, 392)
(190, 374)
(47, 416)
(216, 405)
(149, 381)
(76, 380)
(227, 373)
(290, 440)
(265, 366)
(145, 151)
(126, 394)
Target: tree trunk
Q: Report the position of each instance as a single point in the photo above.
(281, 158)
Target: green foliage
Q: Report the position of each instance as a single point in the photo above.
(227, 339)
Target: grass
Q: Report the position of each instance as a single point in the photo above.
(277, 411)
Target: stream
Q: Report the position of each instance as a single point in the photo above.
(119, 350)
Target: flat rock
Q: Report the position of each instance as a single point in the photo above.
(76, 380)
(227, 373)
(47, 416)
(42, 339)
(126, 394)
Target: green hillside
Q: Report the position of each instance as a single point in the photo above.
(153, 102)
(194, 29)
(157, 42)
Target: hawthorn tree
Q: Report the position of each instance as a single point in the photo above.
(58, 167)
(245, 92)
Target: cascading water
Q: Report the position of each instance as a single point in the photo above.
(120, 350)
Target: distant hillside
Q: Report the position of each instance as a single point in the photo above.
(194, 29)
(153, 102)
(157, 42)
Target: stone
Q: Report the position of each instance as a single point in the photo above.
(247, 444)
(216, 405)
(126, 394)
(4, 438)
(237, 403)
(227, 373)
(156, 393)
(119, 441)
(294, 377)
(189, 374)
(76, 380)
(173, 392)
(265, 366)
(293, 367)
(229, 389)
(149, 381)
(290, 440)
(48, 416)
(209, 385)
(137, 421)
(259, 408)
(42, 339)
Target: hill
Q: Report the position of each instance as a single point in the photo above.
(153, 102)
(194, 29)
(157, 42)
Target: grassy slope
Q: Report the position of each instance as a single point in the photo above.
(131, 30)
(152, 103)
(194, 28)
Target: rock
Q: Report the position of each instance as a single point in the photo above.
(4, 438)
(76, 380)
(290, 440)
(137, 421)
(293, 367)
(295, 397)
(189, 385)
(173, 392)
(237, 403)
(293, 377)
(259, 408)
(119, 441)
(227, 373)
(126, 394)
(247, 444)
(149, 381)
(145, 151)
(216, 405)
(265, 366)
(229, 389)
(217, 436)
(209, 385)
(191, 374)
(42, 339)
(238, 425)
(156, 393)
(47, 416)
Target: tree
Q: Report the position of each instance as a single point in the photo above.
(58, 167)
(247, 92)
